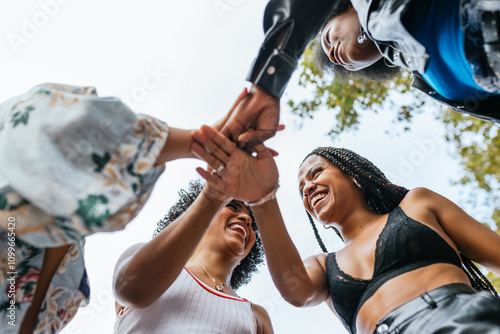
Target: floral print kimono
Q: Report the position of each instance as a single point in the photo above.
(71, 164)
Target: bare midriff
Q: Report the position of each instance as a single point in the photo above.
(403, 288)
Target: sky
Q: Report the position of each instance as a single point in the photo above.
(185, 62)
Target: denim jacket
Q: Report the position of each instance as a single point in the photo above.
(290, 25)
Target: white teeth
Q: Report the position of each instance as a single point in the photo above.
(237, 226)
(316, 198)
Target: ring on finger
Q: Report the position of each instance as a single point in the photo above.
(220, 168)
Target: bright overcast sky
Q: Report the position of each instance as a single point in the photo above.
(198, 53)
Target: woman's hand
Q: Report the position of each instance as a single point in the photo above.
(255, 120)
(220, 123)
(235, 174)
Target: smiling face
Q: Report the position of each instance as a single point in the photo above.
(232, 228)
(339, 41)
(325, 189)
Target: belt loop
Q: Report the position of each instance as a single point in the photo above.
(428, 299)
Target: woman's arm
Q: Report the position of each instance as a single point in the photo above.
(301, 283)
(179, 141)
(146, 273)
(476, 241)
(251, 178)
(177, 146)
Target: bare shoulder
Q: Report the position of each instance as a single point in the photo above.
(421, 199)
(420, 194)
(263, 320)
(316, 262)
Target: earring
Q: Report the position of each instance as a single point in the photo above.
(357, 183)
(326, 227)
(362, 38)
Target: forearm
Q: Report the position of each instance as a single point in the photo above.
(285, 265)
(151, 271)
(177, 146)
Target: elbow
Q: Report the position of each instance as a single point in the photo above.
(129, 294)
(296, 300)
(297, 303)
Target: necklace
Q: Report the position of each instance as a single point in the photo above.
(218, 286)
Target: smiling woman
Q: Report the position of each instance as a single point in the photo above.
(203, 250)
(405, 265)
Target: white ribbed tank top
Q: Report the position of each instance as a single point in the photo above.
(190, 306)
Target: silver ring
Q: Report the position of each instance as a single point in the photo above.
(220, 169)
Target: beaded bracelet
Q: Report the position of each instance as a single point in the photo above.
(268, 197)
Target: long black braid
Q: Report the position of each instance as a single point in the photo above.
(382, 196)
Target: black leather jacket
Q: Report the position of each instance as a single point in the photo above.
(290, 25)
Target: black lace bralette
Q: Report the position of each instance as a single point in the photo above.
(403, 245)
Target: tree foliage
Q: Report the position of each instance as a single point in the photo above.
(345, 100)
(476, 142)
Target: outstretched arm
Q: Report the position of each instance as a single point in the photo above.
(179, 141)
(300, 283)
(145, 272)
(289, 25)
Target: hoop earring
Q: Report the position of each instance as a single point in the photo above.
(362, 38)
(326, 227)
(357, 183)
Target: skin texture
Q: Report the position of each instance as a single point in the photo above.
(304, 283)
(339, 41)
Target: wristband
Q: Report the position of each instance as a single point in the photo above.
(268, 197)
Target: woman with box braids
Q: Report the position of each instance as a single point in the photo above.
(400, 270)
(383, 197)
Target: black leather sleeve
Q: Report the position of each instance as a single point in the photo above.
(289, 26)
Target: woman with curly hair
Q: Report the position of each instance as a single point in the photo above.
(406, 264)
(184, 280)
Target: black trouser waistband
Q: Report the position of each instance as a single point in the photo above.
(424, 301)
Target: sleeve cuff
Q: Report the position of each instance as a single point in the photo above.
(275, 74)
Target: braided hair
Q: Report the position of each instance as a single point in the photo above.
(243, 272)
(382, 196)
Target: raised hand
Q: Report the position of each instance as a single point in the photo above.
(255, 119)
(220, 123)
(232, 173)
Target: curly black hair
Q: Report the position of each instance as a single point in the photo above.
(249, 265)
(380, 71)
(382, 196)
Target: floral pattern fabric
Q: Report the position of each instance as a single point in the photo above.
(72, 164)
